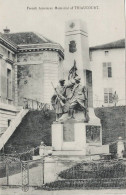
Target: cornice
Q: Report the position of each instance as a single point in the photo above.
(8, 44)
(41, 47)
(9, 61)
(6, 59)
(32, 47)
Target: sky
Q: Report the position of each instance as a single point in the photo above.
(105, 24)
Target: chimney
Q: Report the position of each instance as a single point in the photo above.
(6, 30)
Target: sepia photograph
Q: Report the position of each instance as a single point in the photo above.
(62, 97)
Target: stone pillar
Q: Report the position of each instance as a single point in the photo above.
(120, 147)
(16, 84)
(77, 49)
(42, 149)
(57, 136)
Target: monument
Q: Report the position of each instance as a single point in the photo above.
(77, 130)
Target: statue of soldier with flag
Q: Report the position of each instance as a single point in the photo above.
(72, 97)
(72, 72)
(78, 98)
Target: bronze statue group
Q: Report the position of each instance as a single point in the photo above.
(70, 98)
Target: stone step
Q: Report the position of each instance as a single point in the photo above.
(10, 130)
(75, 155)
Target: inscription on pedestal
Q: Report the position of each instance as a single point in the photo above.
(92, 134)
(68, 132)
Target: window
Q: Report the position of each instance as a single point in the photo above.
(9, 54)
(106, 53)
(90, 55)
(9, 122)
(13, 57)
(9, 84)
(107, 70)
(108, 95)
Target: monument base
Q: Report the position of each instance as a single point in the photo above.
(78, 138)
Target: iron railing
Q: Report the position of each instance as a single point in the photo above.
(53, 173)
(35, 105)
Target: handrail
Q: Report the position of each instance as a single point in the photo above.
(35, 105)
(9, 131)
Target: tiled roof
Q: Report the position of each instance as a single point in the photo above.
(117, 44)
(7, 42)
(24, 38)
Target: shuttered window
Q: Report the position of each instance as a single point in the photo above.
(9, 84)
(108, 95)
(104, 70)
(105, 95)
(106, 53)
(107, 70)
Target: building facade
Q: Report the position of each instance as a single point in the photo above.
(8, 87)
(29, 62)
(108, 65)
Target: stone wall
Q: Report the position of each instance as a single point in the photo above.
(113, 120)
(30, 82)
(6, 117)
(36, 71)
(7, 99)
(7, 53)
(4, 65)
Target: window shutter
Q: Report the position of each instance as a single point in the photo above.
(109, 70)
(105, 95)
(3, 79)
(110, 95)
(104, 70)
(9, 84)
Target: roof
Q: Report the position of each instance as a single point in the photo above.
(113, 45)
(7, 42)
(24, 38)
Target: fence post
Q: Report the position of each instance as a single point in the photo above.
(7, 172)
(57, 170)
(32, 105)
(43, 170)
(25, 176)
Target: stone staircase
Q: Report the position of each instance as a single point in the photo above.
(4, 137)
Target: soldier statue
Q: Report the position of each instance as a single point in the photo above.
(78, 99)
(59, 98)
(70, 98)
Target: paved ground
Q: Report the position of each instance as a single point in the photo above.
(32, 191)
(51, 170)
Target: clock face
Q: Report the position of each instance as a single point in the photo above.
(72, 25)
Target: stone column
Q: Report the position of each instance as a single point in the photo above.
(16, 84)
(42, 149)
(76, 48)
(120, 147)
(77, 51)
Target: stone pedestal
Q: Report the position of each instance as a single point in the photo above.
(74, 136)
(85, 138)
(120, 147)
